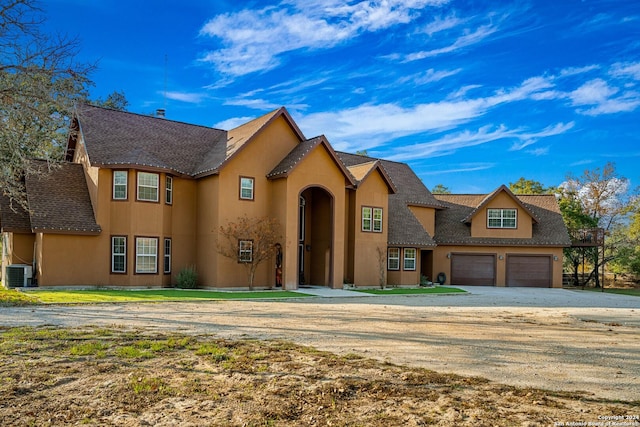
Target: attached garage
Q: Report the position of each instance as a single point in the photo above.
(529, 270)
(473, 269)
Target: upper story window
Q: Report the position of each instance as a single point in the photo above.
(371, 219)
(148, 186)
(168, 190)
(120, 185)
(501, 218)
(246, 188)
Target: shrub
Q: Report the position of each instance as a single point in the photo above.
(187, 278)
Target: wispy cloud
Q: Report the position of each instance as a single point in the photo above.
(461, 42)
(189, 97)
(258, 104)
(465, 167)
(253, 40)
(449, 144)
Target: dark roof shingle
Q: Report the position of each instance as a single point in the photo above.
(549, 230)
(59, 200)
(13, 217)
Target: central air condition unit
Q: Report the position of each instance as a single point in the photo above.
(19, 275)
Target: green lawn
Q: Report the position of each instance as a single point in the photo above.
(11, 297)
(625, 291)
(411, 291)
(110, 295)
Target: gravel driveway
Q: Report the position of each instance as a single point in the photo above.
(547, 338)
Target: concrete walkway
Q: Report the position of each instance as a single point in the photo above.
(325, 292)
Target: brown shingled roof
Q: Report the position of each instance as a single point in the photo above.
(59, 200)
(451, 228)
(404, 227)
(13, 217)
(117, 138)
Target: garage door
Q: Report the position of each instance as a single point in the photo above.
(529, 270)
(472, 269)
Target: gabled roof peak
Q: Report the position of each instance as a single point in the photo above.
(502, 189)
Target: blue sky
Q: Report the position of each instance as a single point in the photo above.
(471, 94)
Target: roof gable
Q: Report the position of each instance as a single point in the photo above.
(362, 171)
(302, 150)
(502, 189)
(550, 229)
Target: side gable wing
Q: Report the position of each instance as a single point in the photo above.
(491, 196)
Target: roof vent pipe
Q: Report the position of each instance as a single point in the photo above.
(160, 112)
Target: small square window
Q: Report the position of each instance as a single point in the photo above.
(246, 188)
(148, 186)
(245, 251)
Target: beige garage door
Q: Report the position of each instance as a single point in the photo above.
(529, 270)
(473, 269)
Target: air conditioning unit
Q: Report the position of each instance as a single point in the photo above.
(19, 275)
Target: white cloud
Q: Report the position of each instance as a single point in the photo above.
(592, 92)
(441, 24)
(258, 104)
(192, 98)
(461, 42)
(252, 40)
(449, 144)
(626, 69)
(232, 123)
(597, 97)
(465, 167)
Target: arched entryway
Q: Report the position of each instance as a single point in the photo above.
(315, 237)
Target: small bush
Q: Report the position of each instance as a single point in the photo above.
(187, 278)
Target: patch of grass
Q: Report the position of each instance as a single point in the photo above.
(622, 291)
(12, 297)
(150, 295)
(411, 291)
(153, 385)
(133, 352)
(214, 351)
(90, 348)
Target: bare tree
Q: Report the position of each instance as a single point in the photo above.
(250, 242)
(39, 83)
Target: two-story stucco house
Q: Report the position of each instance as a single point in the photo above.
(139, 198)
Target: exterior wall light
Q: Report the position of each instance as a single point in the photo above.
(501, 257)
(555, 257)
(449, 255)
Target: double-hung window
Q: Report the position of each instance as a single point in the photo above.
(118, 254)
(372, 219)
(246, 188)
(168, 190)
(148, 186)
(146, 255)
(245, 251)
(393, 259)
(120, 185)
(410, 259)
(167, 256)
(501, 218)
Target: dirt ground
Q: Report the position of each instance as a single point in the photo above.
(524, 359)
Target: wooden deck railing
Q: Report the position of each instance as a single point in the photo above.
(587, 237)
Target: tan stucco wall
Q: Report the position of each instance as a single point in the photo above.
(317, 169)
(426, 216)
(255, 160)
(443, 264)
(91, 173)
(368, 264)
(502, 200)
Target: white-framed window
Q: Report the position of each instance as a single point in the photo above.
(148, 186)
(377, 220)
(372, 219)
(168, 190)
(245, 251)
(501, 218)
(410, 259)
(146, 255)
(118, 254)
(167, 255)
(393, 259)
(120, 185)
(246, 188)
